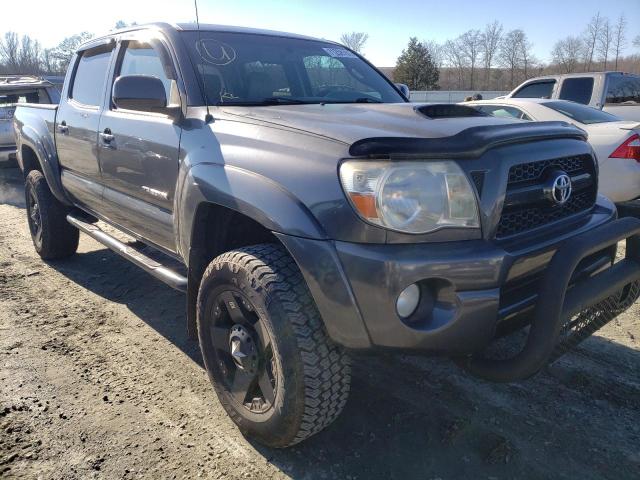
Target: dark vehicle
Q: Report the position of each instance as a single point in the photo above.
(315, 211)
(15, 89)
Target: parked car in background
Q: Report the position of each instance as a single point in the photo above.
(16, 89)
(615, 92)
(615, 142)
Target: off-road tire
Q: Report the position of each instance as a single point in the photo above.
(314, 373)
(58, 239)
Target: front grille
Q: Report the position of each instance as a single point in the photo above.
(521, 216)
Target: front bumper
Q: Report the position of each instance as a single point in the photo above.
(473, 287)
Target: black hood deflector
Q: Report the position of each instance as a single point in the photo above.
(469, 143)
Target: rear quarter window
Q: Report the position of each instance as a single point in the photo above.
(536, 90)
(577, 90)
(623, 89)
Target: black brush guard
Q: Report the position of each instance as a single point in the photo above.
(595, 301)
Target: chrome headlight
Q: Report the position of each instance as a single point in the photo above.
(410, 196)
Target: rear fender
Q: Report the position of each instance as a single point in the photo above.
(40, 140)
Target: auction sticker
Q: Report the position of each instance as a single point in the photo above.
(340, 52)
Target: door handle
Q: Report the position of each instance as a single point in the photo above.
(62, 127)
(106, 136)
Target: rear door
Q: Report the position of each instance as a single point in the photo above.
(77, 124)
(139, 151)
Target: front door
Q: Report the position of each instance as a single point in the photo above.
(139, 151)
(77, 123)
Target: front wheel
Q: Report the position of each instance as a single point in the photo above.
(276, 372)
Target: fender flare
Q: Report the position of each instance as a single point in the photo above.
(44, 148)
(245, 192)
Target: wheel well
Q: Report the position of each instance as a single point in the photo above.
(217, 229)
(29, 160)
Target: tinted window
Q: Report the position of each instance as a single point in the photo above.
(142, 58)
(581, 113)
(503, 111)
(88, 83)
(577, 90)
(623, 89)
(245, 69)
(536, 90)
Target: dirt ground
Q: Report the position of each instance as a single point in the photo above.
(99, 380)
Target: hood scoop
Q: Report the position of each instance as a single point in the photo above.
(449, 110)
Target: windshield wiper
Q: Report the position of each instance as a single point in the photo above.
(355, 100)
(265, 102)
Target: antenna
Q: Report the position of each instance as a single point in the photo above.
(208, 117)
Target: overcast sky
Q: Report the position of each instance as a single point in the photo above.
(388, 23)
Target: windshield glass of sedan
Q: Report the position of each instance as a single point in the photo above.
(581, 113)
(250, 69)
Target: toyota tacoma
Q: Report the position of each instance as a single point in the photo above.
(308, 210)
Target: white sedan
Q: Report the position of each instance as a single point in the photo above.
(615, 142)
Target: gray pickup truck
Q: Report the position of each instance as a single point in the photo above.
(312, 211)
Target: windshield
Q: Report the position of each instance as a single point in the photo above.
(253, 69)
(581, 113)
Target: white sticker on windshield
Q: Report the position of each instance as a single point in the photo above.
(340, 52)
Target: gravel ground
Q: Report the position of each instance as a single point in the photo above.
(98, 380)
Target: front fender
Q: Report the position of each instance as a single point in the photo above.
(248, 193)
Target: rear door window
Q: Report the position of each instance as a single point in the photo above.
(90, 76)
(536, 90)
(623, 89)
(577, 90)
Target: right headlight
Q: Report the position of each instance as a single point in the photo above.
(410, 196)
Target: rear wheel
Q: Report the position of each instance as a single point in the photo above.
(53, 237)
(275, 371)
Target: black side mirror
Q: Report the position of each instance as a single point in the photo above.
(404, 90)
(140, 92)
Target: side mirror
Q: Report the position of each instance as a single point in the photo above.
(404, 90)
(140, 92)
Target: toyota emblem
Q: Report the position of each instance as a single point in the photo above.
(561, 188)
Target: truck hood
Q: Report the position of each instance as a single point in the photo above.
(349, 123)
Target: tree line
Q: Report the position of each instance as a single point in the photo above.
(493, 58)
(25, 55)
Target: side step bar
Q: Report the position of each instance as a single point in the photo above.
(162, 273)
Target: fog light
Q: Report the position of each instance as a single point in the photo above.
(408, 300)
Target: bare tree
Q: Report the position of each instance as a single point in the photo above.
(436, 51)
(591, 36)
(619, 37)
(605, 40)
(636, 41)
(491, 37)
(566, 53)
(471, 42)
(455, 59)
(10, 51)
(354, 40)
(526, 54)
(67, 47)
(510, 53)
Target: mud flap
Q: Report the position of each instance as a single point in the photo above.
(565, 315)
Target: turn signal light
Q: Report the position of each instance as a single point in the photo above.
(629, 149)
